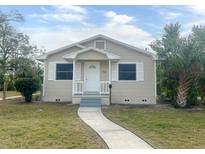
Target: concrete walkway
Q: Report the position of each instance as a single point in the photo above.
(11, 97)
(114, 136)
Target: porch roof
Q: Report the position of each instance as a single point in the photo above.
(109, 55)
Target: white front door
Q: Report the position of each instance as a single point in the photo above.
(92, 76)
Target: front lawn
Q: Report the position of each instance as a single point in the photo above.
(162, 127)
(10, 93)
(49, 125)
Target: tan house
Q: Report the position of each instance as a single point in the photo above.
(85, 69)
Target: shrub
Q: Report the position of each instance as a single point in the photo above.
(36, 97)
(27, 86)
(195, 96)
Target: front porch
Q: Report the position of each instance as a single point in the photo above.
(79, 89)
(92, 74)
(92, 81)
(80, 95)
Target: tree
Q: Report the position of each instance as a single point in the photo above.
(9, 41)
(165, 47)
(17, 56)
(25, 65)
(182, 61)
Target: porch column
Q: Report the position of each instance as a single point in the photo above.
(73, 91)
(110, 73)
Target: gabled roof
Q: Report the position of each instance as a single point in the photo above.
(109, 55)
(78, 44)
(117, 42)
(44, 56)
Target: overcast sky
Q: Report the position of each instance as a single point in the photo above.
(55, 26)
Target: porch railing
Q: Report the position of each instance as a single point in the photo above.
(104, 87)
(79, 87)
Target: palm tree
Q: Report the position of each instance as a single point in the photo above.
(182, 60)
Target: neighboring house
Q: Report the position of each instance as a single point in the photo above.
(88, 67)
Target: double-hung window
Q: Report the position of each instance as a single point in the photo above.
(127, 71)
(64, 71)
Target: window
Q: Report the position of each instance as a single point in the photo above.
(127, 71)
(100, 44)
(64, 71)
(92, 67)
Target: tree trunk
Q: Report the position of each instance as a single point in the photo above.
(184, 86)
(4, 90)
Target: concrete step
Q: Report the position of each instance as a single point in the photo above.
(91, 93)
(90, 105)
(90, 102)
(90, 99)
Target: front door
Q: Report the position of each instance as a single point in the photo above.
(92, 76)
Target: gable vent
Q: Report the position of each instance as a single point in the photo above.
(100, 44)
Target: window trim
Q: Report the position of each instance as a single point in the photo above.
(104, 41)
(135, 63)
(56, 67)
(136, 71)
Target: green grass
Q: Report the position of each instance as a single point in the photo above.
(10, 93)
(48, 125)
(162, 127)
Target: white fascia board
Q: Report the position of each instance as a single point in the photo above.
(44, 56)
(113, 56)
(41, 58)
(70, 55)
(74, 54)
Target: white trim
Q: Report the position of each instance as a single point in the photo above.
(61, 62)
(136, 72)
(51, 71)
(155, 74)
(114, 71)
(76, 83)
(78, 70)
(153, 55)
(44, 79)
(84, 74)
(104, 41)
(109, 55)
(110, 71)
(128, 81)
(73, 91)
(142, 71)
(45, 56)
(85, 64)
(118, 71)
(104, 87)
(127, 62)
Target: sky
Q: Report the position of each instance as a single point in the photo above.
(51, 27)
